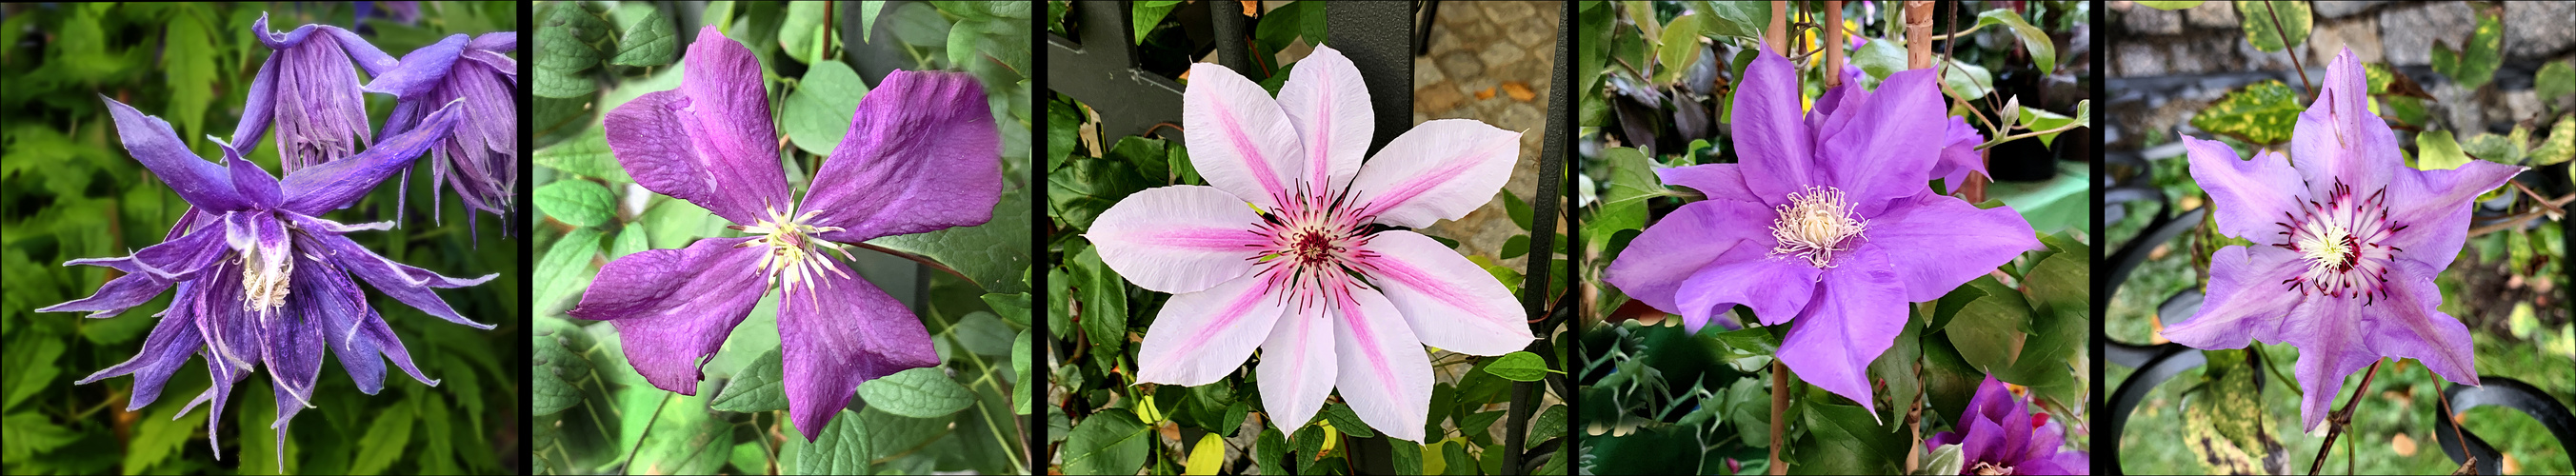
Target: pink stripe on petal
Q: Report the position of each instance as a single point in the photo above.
(1178, 239)
(1440, 170)
(1449, 302)
(1384, 374)
(1200, 337)
(1240, 139)
(1325, 100)
(1297, 368)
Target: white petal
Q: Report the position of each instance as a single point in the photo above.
(1448, 301)
(1440, 170)
(1326, 101)
(1178, 239)
(1297, 366)
(1200, 337)
(1239, 139)
(1385, 375)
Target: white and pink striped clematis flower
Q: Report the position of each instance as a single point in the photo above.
(1316, 271)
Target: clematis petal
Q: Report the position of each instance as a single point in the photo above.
(1240, 139)
(1993, 400)
(150, 139)
(220, 392)
(338, 184)
(672, 307)
(172, 341)
(2247, 299)
(1889, 154)
(1717, 181)
(291, 345)
(2434, 205)
(148, 272)
(1329, 106)
(1775, 287)
(2338, 140)
(421, 69)
(320, 111)
(350, 327)
(1984, 440)
(231, 332)
(1858, 310)
(2328, 333)
(497, 41)
(922, 155)
(1297, 367)
(1178, 239)
(258, 189)
(1959, 154)
(710, 141)
(1448, 301)
(1440, 170)
(1938, 242)
(260, 106)
(1201, 336)
(1685, 241)
(406, 283)
(1382, 370)
(1771, 139)
(2252, 196)
(836, 332)
(2409, 326)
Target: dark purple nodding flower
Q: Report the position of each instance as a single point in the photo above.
(309, 91)
(1826, 221)
(261, 280)
(922, 154)
(2349, 239)
(480, 162)
(1996, 434)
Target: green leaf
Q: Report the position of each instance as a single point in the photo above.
(31, 433)
(1407, 456)
(1519, 366)
(1207, 455)
(1064, 126)
(759, 388)
(801, 33)
(2040, 119)
(387, 440)
(2228, 403)
(675, 223)
(983, 334)
(555, 367)
(2158, 6)
(651, 42)
(2042, 50)
(1946, 460)
(1896, 365)
(2555, 79)
(1735, 19)
(685, 438)
(628, 241)
(587, 155)
(994, 255)
(2505, 149)
(1110, 442)
(2475, 62)
(1147, 155)
(1149, 14)
(564, 53)
(2266, 34)
(995, 49)
(1989, 330)
(33, 363)
(918, 24)
(1679, 48)
(1269, 450)
(919, 393)
(1879, 59)
(565, 270)
(1013, 307)
(439, 456)
(1104, 301)
(818, 115)
(868, 19)
(2262, 113)
(1968, 81)
(189, 66)
(1347, 421)
(1846, 439)
(1549, 425)
(1023, 386)
(841, 448)
(577, 202)
(2560, 145)
(158, 436)
(2435, 150)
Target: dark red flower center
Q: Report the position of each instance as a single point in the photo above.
(2344, 241)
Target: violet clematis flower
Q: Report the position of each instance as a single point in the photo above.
(482, 157)
(1999, 435)
(923, 154)
(1827, 221)
(261, 279)
(307, 89)
(1314, 272)
(2351, 239)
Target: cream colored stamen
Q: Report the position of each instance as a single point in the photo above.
(1815, 224)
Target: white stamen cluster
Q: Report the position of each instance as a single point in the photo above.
(793, 258)
(1814, 225)
(2346, 240)
(263, 288)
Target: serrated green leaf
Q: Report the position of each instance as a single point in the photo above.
(982, 333)
(2257, 18)
(577, 202)
(2436, 150)
(33, 363)
(189, 67)
(919, 393)
(31, 433)
(388, 438)
(759, 388)
(158, 436)
(2262, 113)
(565, 270)
(818, 115)
(564, 56)
(555, 367)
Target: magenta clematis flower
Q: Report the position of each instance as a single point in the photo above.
(309, 91)
(1826, 221)
(922, 155)
(261, 280)
(1314, 272)
(1999, 435)
(482, 158)
(2351, 239)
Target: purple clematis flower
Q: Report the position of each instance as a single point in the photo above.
(261, 280)
(923, 154)
(1999, 435)
(1827, 221)
(2351, 239)
(482, 157)
(309, 91)
(1313, 272)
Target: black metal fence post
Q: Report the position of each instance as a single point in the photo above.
(1378, 38)
(1102, 70)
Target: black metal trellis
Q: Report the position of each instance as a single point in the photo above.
(1102, 68)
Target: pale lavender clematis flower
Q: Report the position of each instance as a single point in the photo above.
(480, 162)
(1826, 221)
(261, 279)
(308, 89)
(1998, 434)
(922, 154)
(2350, 239)
(1311, 272)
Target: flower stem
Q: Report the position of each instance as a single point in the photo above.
(1779, 407)
(2448, 414)
(2294, 52)
(2341, 418)
(1833, 43)
(656, 417)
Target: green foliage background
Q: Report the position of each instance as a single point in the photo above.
(71, 191)
(595, 414)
